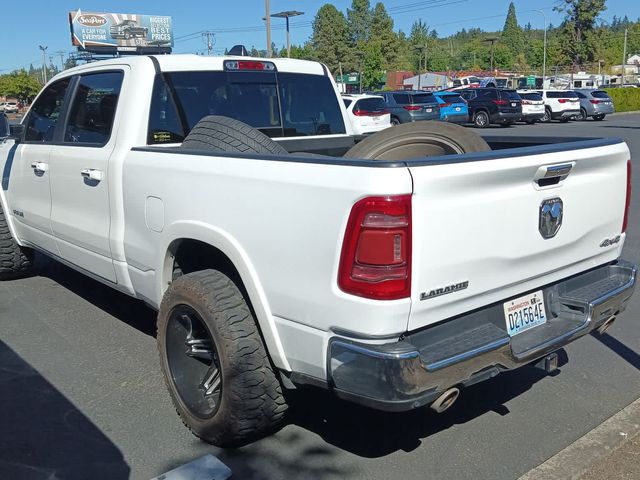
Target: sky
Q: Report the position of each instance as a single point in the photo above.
(45, 23)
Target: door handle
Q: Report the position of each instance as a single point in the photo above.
(91, 174)
(40, 167)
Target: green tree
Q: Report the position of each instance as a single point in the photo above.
(19, 84)
(359, 21)
(372, 70)
(383, 35)
(576, 37)
(419, 45)
(512, 35)
(330, 39)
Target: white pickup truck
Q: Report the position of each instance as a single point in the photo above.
(229, 194)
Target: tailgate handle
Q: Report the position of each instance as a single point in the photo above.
(552, 174)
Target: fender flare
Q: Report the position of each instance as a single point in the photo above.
(230, 247)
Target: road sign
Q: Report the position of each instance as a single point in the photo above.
(531, 81)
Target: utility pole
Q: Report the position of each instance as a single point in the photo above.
(267, 17)
(209, 40)
(624, 56)
(44, 63)
(493, 41)
(61, 53)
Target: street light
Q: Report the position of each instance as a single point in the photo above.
(493, 41)
(286, 15)
(44, 63)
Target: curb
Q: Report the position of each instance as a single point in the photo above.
(575, 460)
(631, 112)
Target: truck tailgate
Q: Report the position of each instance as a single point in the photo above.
(476, 224)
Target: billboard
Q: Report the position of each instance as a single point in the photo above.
(118, 32)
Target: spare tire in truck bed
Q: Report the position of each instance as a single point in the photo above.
(224, 134)
(418, 139)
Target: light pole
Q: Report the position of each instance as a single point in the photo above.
(493, 41)
(44, 62)
(286, 15)
(544, 47)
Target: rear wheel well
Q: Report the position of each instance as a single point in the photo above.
(190, 255)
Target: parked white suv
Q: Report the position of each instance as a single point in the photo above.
(367, 113)
(533, 106)
(560, 105)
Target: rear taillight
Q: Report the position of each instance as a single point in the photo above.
(595, 102)
(367, 113)
(412, 108)
(628, 199)
(376, 252)
(500, 101)
(562, 100)
(445, 105)
(248, 65)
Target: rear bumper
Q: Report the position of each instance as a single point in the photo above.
(565, 114)
(456, 118)
(505, 117)
(603, 110)
(474, 347)
(532, 116)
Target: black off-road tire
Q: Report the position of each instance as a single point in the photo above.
(416, 140)
(15, 261)
(224, 134)
(251, 401)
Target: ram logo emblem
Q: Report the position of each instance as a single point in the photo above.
(550, 219)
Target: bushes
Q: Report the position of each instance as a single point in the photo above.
(625, 99)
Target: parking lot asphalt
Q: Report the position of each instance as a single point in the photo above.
(81, 395)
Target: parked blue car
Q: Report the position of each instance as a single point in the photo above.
(453, 108)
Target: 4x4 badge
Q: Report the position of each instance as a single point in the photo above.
(550, 219)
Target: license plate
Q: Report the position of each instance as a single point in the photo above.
(513, 104)
(525, 312)
(457, 109)
(376, 119)
(428, 110)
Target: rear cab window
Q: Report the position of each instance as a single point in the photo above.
(278, 104)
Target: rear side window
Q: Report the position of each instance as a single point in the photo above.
(346, 102)
(401, 98)
(276, 104)
(369, 105)
(93, 108)
(423, 98)
(487, 94)
(44, 114)
(468, 95)
(452, 98)
(600, 94)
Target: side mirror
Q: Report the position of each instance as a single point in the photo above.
(17, 132)
(4, 126)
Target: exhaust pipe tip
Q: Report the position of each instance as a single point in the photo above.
(445, 400)
(602, 328)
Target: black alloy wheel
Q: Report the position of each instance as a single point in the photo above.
(193, 362)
